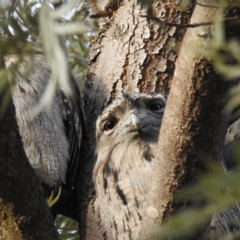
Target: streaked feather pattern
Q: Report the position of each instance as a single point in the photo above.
(127, 130)
(52, 139)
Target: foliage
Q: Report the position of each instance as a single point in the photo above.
(65, 33)
(218, 189)
(212, 193)
(28, 26)
(67, 228)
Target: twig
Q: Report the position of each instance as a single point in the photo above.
(209, 6)
(193, 25)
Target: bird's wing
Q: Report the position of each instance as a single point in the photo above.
(52, 139)
(74, 121)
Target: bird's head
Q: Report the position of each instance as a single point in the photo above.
(136, 115)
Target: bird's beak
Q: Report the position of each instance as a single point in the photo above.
(137, 119)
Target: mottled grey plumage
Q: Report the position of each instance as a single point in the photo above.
(52, 139)
(127, 132)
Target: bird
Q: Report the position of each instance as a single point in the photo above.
(52, 139)
(126, 133)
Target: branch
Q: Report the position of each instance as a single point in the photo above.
(196, 95)
(23, 209)
(192, 25)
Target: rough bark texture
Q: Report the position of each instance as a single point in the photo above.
(193, 125)
(23, 210)
(130, 54)
(133, 54)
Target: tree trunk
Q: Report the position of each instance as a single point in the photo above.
(193, 125)
(131, 54)
(134, 54)
(23, 209)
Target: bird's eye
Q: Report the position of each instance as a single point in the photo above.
(109, 125)
(155, 106)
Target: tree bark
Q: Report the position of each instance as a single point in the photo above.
(23, 209)
(133, 54)
(130, 54)
(193, 124)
